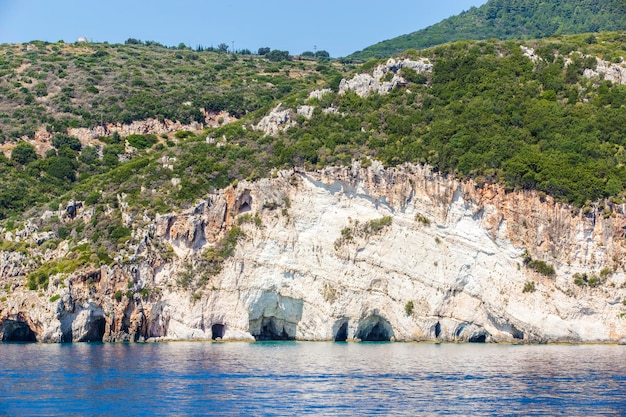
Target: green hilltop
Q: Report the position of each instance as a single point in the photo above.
(510, 19)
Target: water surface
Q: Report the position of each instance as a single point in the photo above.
(300, 378)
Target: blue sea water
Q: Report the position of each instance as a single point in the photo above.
(300, 378)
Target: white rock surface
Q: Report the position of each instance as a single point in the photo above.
(366, 84)
(312, 271)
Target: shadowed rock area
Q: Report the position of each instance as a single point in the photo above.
(374, 329)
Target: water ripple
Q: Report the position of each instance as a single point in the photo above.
(290, 378)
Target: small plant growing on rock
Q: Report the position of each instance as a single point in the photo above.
(249, 218)
(419, 217)
(529, 286)
(118, 295)
(408, 307)
(54, 298)
(588, 280)
(538, 266)
(542, 268)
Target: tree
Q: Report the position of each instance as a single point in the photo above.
(264, 51)
(23, 153)
(222, 47)
(132, 41)
(61, 139)
(322, 54)
(308, 54)
(277, 55)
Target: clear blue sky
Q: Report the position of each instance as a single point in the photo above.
(339, 27)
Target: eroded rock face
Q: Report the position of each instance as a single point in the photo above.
(16, 328)
(366, 84)
(278, 119)
(349, 254)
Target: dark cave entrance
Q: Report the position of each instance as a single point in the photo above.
(437, 329)
(374, 329)
(17, 331)
(478, 338)
(273, 329)
(95, 332)
(217, 331)
(342, 334)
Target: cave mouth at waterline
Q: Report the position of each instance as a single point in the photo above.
(17, 331)
(217, 331)
(374, 329)
(95, 332)
(341, 335)
(273, 328)
(437, 330)
(478, 338)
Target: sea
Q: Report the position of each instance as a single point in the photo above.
(311, 378)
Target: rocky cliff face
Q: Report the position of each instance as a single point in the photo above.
(343, 254)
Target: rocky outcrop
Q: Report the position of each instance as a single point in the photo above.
(384, 78)
(42, 138)
(614, 72)
(278, 119)
(349, 253)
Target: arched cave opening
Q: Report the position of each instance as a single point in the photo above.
(374, 329)
(217, 331)
(478, 338)
(437, 329)
(95, 332)
(17, 331)
(342, 333)
(245, 202)
(273, 329)
(244, 208)
(516, 333)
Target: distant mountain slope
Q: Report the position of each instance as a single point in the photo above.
(510, 19)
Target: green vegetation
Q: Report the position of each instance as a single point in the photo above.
(542, 268)
(198, 274)
(537, 266)
(249, 218)
(408, 307)
(590, 280)
(79, 257)
(486, 112)
(362, 230)
(55, 297)
(420, 218)
(505, 19)
(60, 86)
(530, 287)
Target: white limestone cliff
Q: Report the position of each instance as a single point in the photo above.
(350, 253)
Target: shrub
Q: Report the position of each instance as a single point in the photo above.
(72, 142)
(422, 219)
(23, 153)
(249, 218)
(542, 268)
(590, 280)
(408, 307)
(375, 226)
(141, 141)
(37, 279)
(183, 134)
(54, 298)
(529, 287)
(118, 295)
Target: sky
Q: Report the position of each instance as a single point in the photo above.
(339, 27)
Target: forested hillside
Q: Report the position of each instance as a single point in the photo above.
(84, 85)
(528, 115)
(510, 19)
